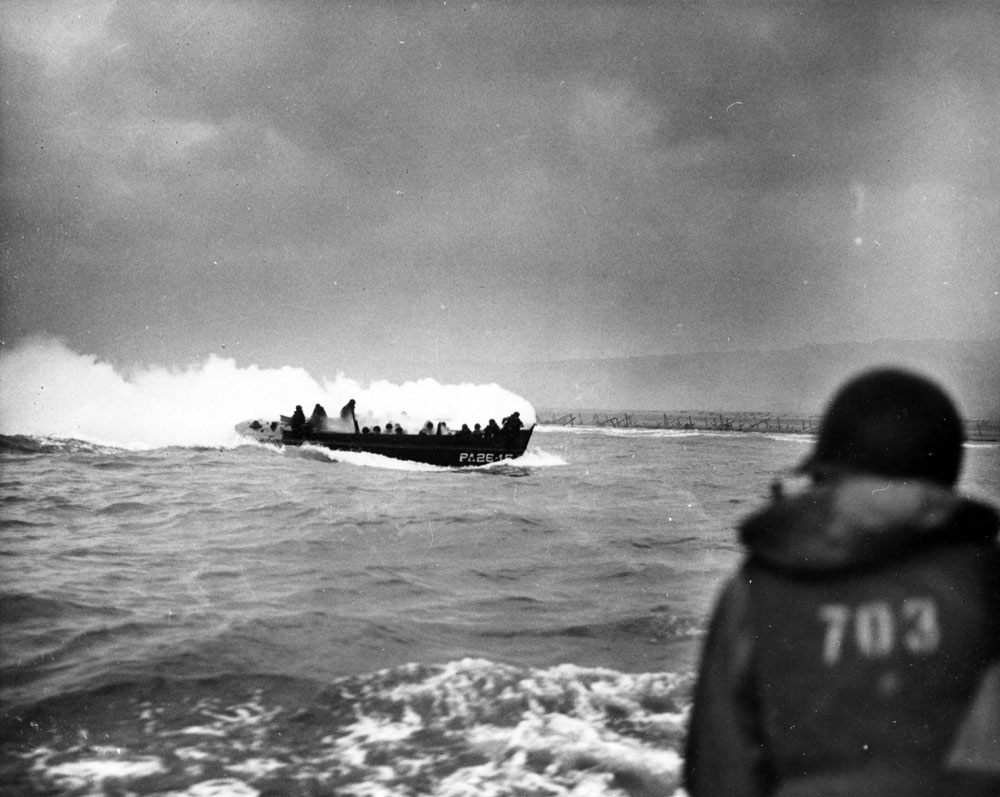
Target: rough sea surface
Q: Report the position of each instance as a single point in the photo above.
(252, 620)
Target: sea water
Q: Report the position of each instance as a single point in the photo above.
(250, 619)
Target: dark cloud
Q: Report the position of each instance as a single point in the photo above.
(503, 180)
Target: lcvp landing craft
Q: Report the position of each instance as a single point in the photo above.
(443, 450)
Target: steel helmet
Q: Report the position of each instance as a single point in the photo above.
(892, 423)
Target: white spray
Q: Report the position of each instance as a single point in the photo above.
(48, 390)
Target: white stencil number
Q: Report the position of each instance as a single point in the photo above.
(923, 634)
(875, 629)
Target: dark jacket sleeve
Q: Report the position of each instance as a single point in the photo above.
(725, 754)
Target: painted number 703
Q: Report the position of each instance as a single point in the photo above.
(876, 629)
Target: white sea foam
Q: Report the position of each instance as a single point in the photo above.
(535, 458)
(217, 787)
(619, 431)
(470, 727)
(94, 771)
(651, 433)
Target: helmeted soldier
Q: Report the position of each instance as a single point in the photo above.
(845, 653)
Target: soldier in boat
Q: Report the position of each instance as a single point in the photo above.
(317, 420)
(513, 423)
(492, 431)
(298, 419)
(347, 415)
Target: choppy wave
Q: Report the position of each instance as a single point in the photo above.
(30, 444)
(469, 727)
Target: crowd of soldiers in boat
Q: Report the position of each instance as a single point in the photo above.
(318, 421)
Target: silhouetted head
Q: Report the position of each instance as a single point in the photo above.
(890, 422)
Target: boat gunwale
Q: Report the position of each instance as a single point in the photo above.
(444, 450)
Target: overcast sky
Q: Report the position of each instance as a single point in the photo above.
(341, 185)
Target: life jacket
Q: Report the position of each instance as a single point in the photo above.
(875, 611)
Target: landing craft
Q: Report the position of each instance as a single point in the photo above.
(443, 450)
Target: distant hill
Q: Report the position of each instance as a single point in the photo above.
(797, 380)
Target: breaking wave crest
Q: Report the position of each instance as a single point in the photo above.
(469, 727)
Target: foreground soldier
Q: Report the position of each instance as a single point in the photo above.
(845, 654)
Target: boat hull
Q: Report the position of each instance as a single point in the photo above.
(444, 451)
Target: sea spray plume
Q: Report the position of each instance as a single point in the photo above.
(49, 390)
(46, 389)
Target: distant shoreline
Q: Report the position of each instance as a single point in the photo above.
(979, 431)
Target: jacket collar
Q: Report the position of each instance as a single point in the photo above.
(858, 520)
